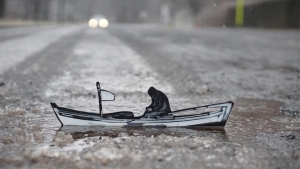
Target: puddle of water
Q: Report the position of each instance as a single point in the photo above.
(250, 117)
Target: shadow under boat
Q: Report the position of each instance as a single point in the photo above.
(79, 132)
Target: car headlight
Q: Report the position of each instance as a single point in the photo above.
(103, 23)
(93, 23)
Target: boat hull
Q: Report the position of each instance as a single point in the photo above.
(69, 117)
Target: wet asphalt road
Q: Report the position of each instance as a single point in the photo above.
(258, 69)
(230, 62)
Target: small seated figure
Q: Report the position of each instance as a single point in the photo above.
(159, 106)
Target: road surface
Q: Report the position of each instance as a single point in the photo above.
(257, 69)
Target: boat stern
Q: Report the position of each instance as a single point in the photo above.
(227, 107)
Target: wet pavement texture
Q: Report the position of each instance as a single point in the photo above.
(257, 69)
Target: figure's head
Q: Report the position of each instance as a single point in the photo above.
(152, 91)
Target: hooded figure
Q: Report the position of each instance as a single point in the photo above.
(160, 104)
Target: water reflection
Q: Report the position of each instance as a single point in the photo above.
(79, 132)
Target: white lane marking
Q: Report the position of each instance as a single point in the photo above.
(15, 51)
(116, 66)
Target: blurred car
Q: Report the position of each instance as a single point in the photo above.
(98, 20)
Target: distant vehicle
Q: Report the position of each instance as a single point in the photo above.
(98, 20)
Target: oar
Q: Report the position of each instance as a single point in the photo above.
(226, 104)
(189, 109)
